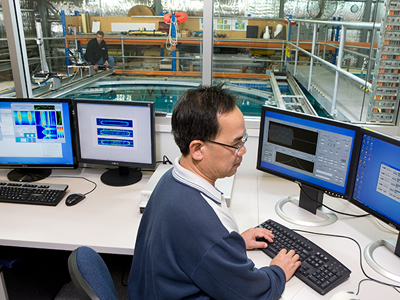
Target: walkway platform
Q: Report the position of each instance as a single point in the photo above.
(352, 101)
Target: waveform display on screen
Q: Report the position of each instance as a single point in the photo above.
(44, 107)
(115, 142)
(114, 122)
(294, 162)
(24, 118)
(46, 132)
(46, 118)
(292, 137)
(114, 132)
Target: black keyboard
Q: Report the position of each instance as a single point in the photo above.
(27, 193)
(319, 270)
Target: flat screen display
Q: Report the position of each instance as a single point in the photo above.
(310, 150)
(35, 133)
(118, 133)
(377, 183)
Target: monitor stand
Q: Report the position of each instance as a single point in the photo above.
(28, 175)
(121, 177)
(310, 200)
(389, 244)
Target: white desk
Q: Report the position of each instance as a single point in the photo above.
(108, 219)
(364, 230)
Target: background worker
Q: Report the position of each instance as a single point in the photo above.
(97, 52)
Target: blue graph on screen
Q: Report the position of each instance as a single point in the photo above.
(115, 142)
(114, 122)
(24, 118)
(114, 132)
(46, 132)
(46, 118)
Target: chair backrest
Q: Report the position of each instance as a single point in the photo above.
(90, 275)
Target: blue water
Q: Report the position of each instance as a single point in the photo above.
(251, 97)
(249, 101)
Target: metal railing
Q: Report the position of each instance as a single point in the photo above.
(341, 49)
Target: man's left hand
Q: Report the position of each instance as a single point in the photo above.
(251, 234)
(106, 64)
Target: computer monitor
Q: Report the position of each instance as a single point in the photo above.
(35, 137)
(312, 151)
(119, 134)
(377, 189)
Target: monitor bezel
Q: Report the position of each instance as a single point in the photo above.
(72, 132)
(352, 169)
(116, 163)
(388, 139)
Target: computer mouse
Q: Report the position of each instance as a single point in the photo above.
(344, 295)
(74, 199)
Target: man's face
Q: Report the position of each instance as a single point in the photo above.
(99, 38)
(222, 161)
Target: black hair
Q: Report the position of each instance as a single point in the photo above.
(195, 116)
(100, 33)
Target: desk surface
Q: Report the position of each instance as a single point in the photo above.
(108, 219)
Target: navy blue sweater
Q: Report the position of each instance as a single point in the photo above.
(183, 251)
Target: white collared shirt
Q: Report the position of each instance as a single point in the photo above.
(212, 195)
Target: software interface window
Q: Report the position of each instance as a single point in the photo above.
(33, 132)
(377, 183)
(316, 152)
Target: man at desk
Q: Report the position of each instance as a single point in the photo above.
(97, 52)
(188, 245)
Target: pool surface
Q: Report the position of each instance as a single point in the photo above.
(165, 93)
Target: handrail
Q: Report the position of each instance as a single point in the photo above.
(354, 25)
(340, 70)
(338, 67)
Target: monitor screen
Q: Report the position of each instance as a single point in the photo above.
(116, 133)
(377, 184)
(35, 134)
(377, 191)
(312, 151)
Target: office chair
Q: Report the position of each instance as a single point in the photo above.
(90, 275)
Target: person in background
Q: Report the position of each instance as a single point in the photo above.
(97, 52)
(188, 244)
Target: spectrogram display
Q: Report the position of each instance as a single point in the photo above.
(114, 122)
(46, 118)
(60, 132)
(24, 118)
(114, 132)
(115, 142)
(46, 132)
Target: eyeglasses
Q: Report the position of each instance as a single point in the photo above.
(238, 148)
